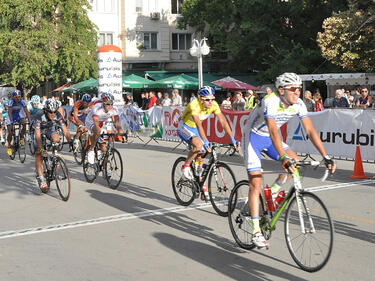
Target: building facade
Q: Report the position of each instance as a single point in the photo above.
(146, 31)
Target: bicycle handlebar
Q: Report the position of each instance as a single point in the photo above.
(316, 164)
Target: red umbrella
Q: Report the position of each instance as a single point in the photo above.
(61, 88)
(230, 83)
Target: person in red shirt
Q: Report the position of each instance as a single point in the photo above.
(152, 101)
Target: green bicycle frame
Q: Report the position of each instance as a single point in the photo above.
(285, 202)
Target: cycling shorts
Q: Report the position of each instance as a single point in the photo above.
(253, 145)
(16, 119)
(82, 118)
(186, 133)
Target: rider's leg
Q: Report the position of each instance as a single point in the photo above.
(10, 134)
(255, 185)
(197, 145)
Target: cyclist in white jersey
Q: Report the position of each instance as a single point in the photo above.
(261, 134)
(100, 113)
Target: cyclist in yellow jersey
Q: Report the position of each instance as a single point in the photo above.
(190, 128)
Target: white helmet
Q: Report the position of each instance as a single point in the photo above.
(288, 78)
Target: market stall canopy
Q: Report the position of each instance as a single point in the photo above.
(230, 83)
(135, 82)
(182, 81)
(84, 86)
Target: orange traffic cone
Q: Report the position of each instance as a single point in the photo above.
(358, 172)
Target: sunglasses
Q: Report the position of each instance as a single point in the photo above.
(18, 96)
(208, 100)
(293, 89)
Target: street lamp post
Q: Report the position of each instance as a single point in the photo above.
(199, 49)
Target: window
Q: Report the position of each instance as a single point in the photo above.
(149, 40)
(181, 41)
(105, 38)
(176, 6)
(138, 6)
(103, 6)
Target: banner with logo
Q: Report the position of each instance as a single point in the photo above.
(340, 130)
(170, 117)
(236, 121)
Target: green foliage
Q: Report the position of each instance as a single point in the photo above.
(267, 36)
(348, 39)
(43, 39)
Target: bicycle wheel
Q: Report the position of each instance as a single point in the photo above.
(62, 178)
(219, 187)
(239, 214)
(183, 189)
(90, 171)
(46, 175)
(22, 152)
(78, 153)
(31, 147)
(113, 168)
(311, 249)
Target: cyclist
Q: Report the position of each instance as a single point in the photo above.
(100, 113)
(78, 116)
(261, 135)
(3, 117)
(17, 111)
(45, 122)
(190, 128)
(34, 105)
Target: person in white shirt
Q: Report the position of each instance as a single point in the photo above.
(166, 101)
(176, 98)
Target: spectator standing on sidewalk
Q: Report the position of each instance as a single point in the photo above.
(365, 100)
(309, 102)
(227, 104)
(249, 100)
(238, 102)
(160, 99)
(176, 98)
(166, 101)
(152, 100)
(318, 102)
(339, 100)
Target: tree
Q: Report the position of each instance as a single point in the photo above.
(348, 39)
(44, 39)
(266, 36)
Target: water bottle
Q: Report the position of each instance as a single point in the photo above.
(280, 198)
(205, 191)
(49, 162)
(268, 196)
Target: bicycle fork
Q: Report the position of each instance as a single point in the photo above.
(302, 205)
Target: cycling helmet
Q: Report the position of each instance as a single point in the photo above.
(51, 105)
(288, 78)
(86, 98)
(206, 91)
(35, 99)
(17, 93)
(107, 97)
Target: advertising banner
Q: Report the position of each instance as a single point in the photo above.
(170, 117)
(340, 130)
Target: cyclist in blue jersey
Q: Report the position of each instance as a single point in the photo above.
(17, 111)
(261, 134)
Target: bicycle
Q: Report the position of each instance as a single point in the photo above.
(61, 136)
(30, 138)
(80, 147)
(186, 191)
(17, 146)
(55, 169)
(307, 220)
(110, 164)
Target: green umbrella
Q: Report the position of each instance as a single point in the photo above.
(135, 82)
(87, 85)
(182, 81)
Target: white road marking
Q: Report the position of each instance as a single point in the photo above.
(144, 214)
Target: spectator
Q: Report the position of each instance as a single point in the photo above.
(144, 104)
(160, 99)
(176, 98)
(227, 104)
(249, 100)
(357, 95)
(152, 100)
(70, 100)
(238, 102)
(318, 102)
(350, 98)
(339, 100)
(365, 100)
(166, 101)
(268, 90)
(193, 97)
(309, 102)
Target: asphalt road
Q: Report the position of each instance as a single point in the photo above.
(139, 232)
